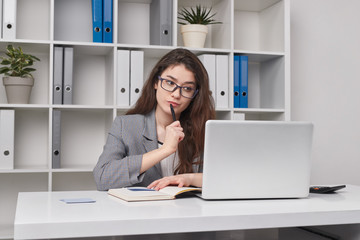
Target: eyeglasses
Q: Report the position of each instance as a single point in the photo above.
(170, 86)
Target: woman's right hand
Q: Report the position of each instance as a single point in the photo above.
(174, 134)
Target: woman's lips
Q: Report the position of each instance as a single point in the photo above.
(174, 104)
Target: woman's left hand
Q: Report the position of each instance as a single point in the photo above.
(181, 180)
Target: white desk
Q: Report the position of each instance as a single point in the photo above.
(42, 215)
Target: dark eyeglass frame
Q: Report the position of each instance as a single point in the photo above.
(176, 87)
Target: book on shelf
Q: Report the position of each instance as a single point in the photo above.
(136, 75)
(240, 81)
(130, 76)
(97, 20)
(161, 22)
(123, 78)
(56, 139)
(9, 19)
(58, 75)
(107, 21)
(243, 78)
(132, 194)
(236, 81)
(1, 18)
(222, 84)
(7, 137)
(209, 62)
(68, 75)
(63, 75)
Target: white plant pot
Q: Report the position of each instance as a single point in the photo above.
(194, 35)
(18, 89)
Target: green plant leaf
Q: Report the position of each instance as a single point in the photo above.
(197, 15)
(4, 70)
(17, 62)
(5, 62)
(29, 69)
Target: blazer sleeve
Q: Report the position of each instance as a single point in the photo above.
(115, 168)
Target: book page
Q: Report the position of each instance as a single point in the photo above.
(133, 193)
(173, 190)
(145, 194)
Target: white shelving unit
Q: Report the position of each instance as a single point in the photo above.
(259, 29)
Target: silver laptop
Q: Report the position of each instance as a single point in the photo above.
(256, 159)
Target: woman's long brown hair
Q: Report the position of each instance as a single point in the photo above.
(194, 117)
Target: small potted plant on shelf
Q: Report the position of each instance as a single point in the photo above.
(18, 80)
(194, 23)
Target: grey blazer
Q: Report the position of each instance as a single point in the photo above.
(119, 165)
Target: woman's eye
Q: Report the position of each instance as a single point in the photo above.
(188, 89)
(168, 82)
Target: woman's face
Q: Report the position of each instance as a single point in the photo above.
(181, 76)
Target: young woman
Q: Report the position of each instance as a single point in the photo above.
(147, 147)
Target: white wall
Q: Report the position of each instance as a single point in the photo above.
(325, 74)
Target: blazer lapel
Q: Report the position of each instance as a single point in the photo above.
(150, 136)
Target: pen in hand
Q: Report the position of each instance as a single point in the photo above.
(172, 112)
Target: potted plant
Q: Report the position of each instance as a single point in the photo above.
(18, 80)
(194, 23)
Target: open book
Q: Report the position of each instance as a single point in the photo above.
(144, 194)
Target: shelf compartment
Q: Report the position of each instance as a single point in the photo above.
(40, 90)
(219, 35)
(73, 20)
(92, 75)
(73, 181)
(83, 135)
(266, 84)
(133, 32)
(31, 139)
(259, 25)
(30, 27)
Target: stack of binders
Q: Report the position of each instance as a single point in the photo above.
(240, 81)
(102, 18)
(8, 17)
(62, 94)
(217, 68)
(130, 76)
(63, 75)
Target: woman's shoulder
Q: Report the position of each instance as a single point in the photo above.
(130, 119)
(127, 123)
(134, 121)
